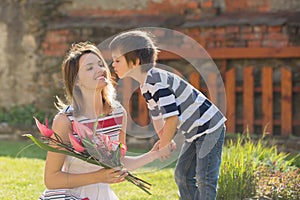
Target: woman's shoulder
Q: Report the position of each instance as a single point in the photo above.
(61, 123)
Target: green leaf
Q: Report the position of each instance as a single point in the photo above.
(52, 149)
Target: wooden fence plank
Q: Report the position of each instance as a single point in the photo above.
(238, 53)
(195, 80)
(267, 99)
(126, 101)
(231, 100)
(143, 116)
(212, 86)
(248, 99)
(286, 101)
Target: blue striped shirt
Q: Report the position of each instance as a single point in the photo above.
(168, 95)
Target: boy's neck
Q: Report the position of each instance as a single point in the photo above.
(138, 75)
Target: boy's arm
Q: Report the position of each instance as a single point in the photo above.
(169, 129)
(158, 125)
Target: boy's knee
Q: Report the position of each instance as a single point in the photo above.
(206, 182)
(178, 176)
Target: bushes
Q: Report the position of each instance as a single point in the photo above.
(252, 170)
(21, 115)
(278, 184)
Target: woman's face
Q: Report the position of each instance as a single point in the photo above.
(92, 73)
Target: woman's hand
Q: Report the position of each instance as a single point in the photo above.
(164, 152)
(111, 175)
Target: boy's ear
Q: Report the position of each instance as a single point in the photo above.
(137, 62)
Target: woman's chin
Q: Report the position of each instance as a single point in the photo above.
(101, 84)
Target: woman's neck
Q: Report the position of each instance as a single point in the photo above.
(94, 105)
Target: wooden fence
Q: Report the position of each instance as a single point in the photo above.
(257, 107)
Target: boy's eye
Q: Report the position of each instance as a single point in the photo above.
(90, 68)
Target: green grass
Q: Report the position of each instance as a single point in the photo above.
(21, 178)
(19, 149)
(22, 166)
(21, 170)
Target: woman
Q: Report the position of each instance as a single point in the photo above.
(91, 97)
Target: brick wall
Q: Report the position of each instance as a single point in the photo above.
(213, 23)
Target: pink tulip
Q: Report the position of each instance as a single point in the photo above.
(105, 139)
(76, 143)
(43, 129)
(82, 130)
(123, 147)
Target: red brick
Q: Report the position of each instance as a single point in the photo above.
(232, 29)
(254, 43)
(210, 45)
(246, 29)
(275, 29)
(232, 36)
(276, 36)
(192, 5)
(207, 4)
(264, 8)
(207, 31)
(283, 43)
(251, 36)
(261, 28)
(220, 30)
(219, 44)
(275, 43)
(194, 32)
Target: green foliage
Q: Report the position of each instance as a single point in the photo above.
(277, 184)
(240, 175)
(239, 162)
(21, 115)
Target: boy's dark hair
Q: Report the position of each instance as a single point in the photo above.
(136, 45)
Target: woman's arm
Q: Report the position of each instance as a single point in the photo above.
(122, 136)
(54, 178)
(134, 162)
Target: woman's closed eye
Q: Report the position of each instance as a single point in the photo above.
(89, 68)
(100, 63)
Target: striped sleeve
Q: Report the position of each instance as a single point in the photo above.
(166, 102)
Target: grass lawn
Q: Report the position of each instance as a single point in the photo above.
(22, 168)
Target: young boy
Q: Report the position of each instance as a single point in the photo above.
(174, 105)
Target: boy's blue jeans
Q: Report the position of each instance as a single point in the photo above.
(196, 173)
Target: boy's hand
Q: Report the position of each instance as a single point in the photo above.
(165, 152)
(155, 147)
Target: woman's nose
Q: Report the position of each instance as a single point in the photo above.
(100, 70)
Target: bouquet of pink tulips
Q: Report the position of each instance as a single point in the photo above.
(88, 146)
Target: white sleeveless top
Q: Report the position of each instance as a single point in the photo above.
(110, 125)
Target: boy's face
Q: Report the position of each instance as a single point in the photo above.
(120, 65)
